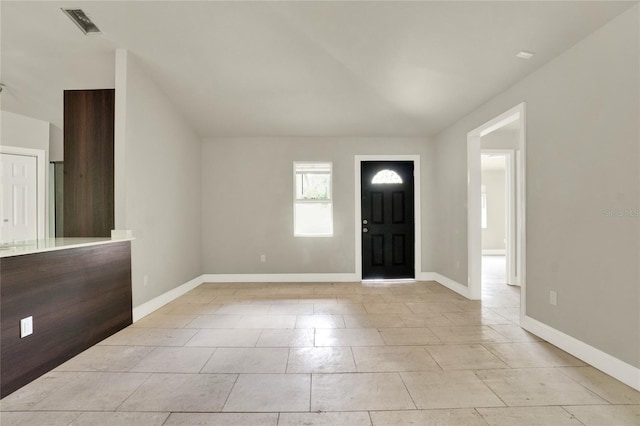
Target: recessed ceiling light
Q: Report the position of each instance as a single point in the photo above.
(82, 21)
(523, 54)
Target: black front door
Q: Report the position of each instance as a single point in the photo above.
(388, 246)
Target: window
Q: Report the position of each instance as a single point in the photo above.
(386, 176)
(312, 204)
(483, 206)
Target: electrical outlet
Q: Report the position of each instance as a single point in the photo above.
(553, 298)
(145, 280)
(263, 258)
(26, 327)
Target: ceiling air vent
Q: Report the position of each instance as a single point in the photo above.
(82, 21)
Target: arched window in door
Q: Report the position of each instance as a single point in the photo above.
(386, 176)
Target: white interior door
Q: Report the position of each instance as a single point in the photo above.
(19, 195)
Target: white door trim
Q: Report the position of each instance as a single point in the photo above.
(41, 189)
(416, 201)
(510, 213)
(474, 231)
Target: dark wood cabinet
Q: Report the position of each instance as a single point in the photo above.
(89, 162)
(77, 297)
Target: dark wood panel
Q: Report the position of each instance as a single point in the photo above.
(77, 298)
(88, 162)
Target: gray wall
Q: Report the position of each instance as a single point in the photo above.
(158, 171)
(493, 237)
(503, 138)
(247, 201)
(24, 132)
(20, 131)
(56, 143)
(582, 164)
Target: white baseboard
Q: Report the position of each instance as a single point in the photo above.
(626, 373)
(447, 282)
(146, 308)
(494, 252)
(426, 276)
(278, 278)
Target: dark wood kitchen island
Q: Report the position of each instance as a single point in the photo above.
(77, 291)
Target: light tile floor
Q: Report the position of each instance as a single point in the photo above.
(326, 354)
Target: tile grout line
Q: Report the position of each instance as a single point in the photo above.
(475, 373)
(559, 369)
(134, 391)
(286, 366)
(433, 358)
(408, 391)
(207, 361)
(370, 418)
(167, 418)
(480, 414)
(229, 394)
(353, 357)
(310, 391)
(572, 416)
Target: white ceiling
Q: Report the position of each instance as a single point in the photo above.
(310, 68)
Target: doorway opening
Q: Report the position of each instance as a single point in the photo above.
(496, 214)
(387, 217)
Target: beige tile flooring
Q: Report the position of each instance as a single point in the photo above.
(411, 353)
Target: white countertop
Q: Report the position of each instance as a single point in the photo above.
(19, 248)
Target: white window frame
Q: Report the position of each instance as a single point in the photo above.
(483, 206)
(328, 201)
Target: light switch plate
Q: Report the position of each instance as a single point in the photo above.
(26, 327)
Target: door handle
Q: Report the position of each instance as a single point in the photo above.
(365, 230)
